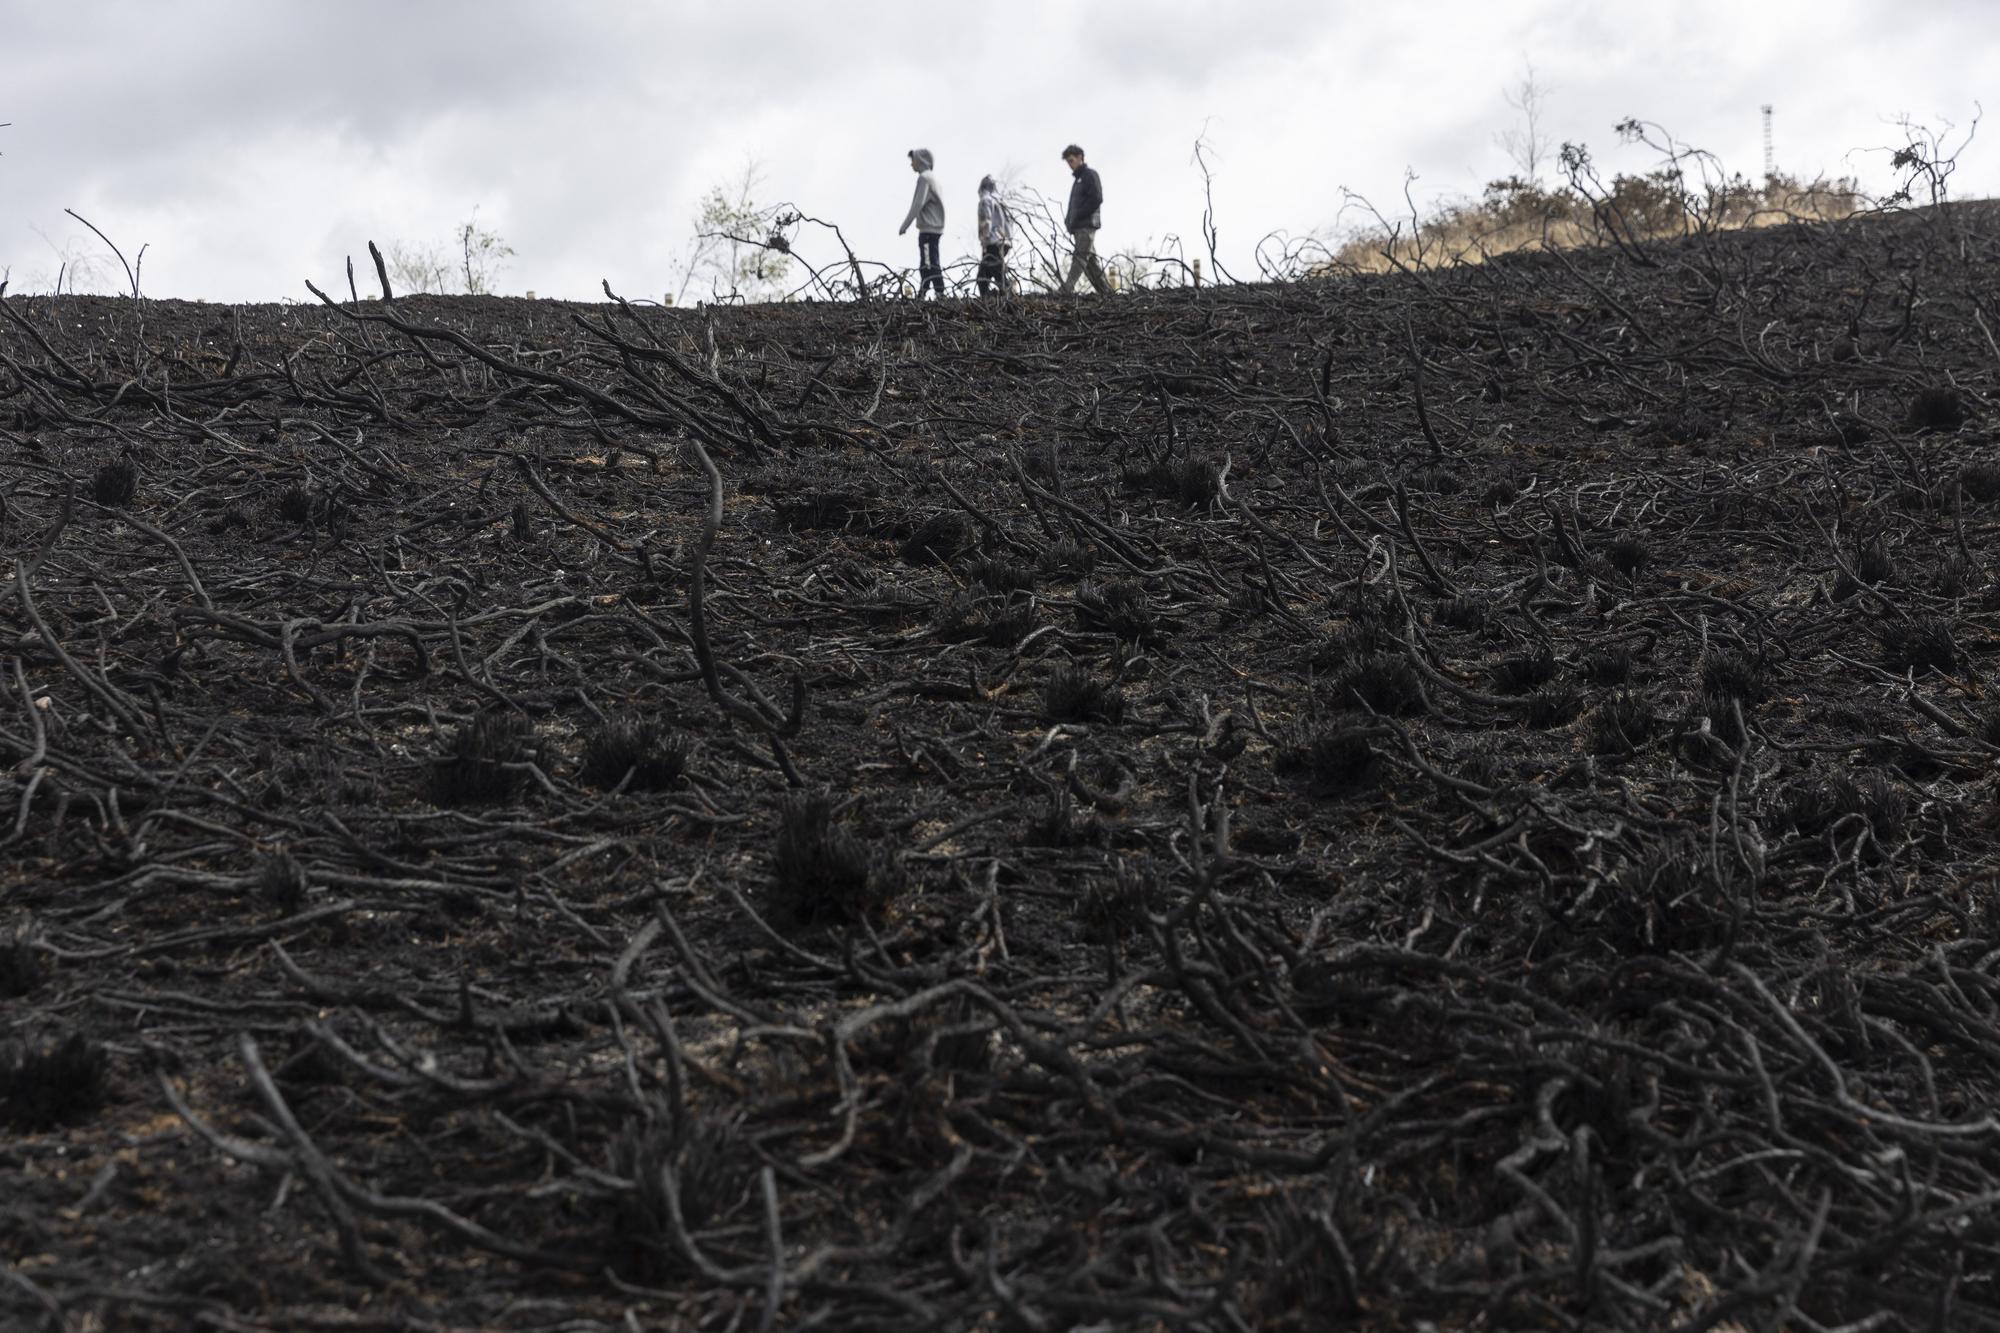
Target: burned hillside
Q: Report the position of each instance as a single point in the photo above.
(1461, 796)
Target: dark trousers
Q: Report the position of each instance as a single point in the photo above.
(930, 269)
(992, 269)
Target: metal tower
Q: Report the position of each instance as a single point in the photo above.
(1770, 162)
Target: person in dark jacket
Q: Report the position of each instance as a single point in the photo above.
(927, 211)
(995, 237)
(1084, 218)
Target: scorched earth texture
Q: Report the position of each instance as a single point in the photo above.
(1465, 797)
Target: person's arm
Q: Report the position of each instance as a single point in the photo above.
(1093, 194)
(917, 203)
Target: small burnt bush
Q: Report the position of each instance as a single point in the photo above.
(1385, 683)
(524, 523)
(1980, 481)
(295, 505)
(1874, 563)
(321, 771)
(23, 970)
(957, 619)
(1463, 612)
(1501, 492)
(1913, 761)
(315, 509)
(1247, 601)
(1301, 1260)
(1524, 671)
(1685, 426)
(973, 617)
(1436, 481)
(1940, 407)
(1353, 643)
(229, 519)
(1191, 482)
(1628, 555)
(1608, 666)
(1920, 644)
(1955, 576)
(1001, 574)
(1332, 761)
(1042, 462)
(1670, 899)
(1074, 694)
(1069, 559)
(711, 1176)
(1844, 429)
(1724, 713)
(952, 1038)
(1620, 725)
(939, 540)
(1261, 839)
(1554, 705)
(826, 874)
(1484, 768)
(886, 600)
(282, 882)
(656, 757)
(475, 768)
(1120, 609)
(819, 509)
(40, 1089)
(1732, 674)
(1816, 803)
(1007, 623)
(1121, 905)
(116, 483)
(1057, 824)
(1369, 605)
(1710, 736)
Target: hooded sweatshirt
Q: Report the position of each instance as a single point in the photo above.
(926, 206)
(994, 228)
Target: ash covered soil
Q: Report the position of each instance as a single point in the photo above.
(1464, 797)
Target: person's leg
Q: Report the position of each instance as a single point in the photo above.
(989, 269)
(1087, 251)
(1079, 247)
(933, 267)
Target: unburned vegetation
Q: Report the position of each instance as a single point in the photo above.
(1466, 796)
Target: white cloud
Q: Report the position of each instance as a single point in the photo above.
(254, 143)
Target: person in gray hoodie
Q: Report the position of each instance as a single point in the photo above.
(927, 211)
(995, 237)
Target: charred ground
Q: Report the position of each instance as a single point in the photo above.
(1464, 796)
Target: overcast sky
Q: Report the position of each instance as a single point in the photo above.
(253, 144)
